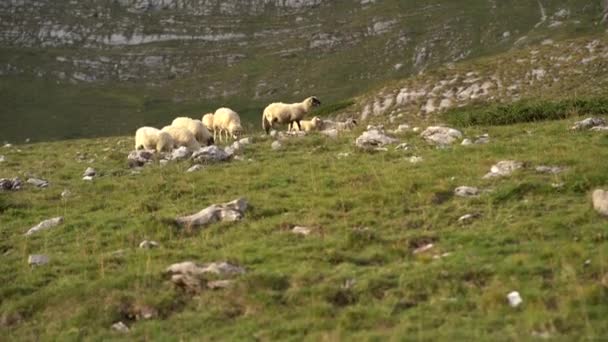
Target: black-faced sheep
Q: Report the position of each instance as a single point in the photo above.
(287, 113)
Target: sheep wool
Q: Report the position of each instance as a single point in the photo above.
(287, 113)
(225, 120)
(151, 138)
(208, 121)
(196, 127)
(182, 137)
(315, 124)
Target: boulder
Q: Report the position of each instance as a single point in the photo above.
(439, 135)
(231, 211)
(46, 224)
(10, 184)
(181, 153)
(374, 140)
(210, 154)
(140, 158)
(588, 123)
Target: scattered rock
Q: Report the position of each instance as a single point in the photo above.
(7, 145)
(2, 159)
(424, 248)
(87, 178)
(195, 168)
(504, 168)
(600, 201)
(246, 141)
(46, 224)
(467, 218)
(549, 169)
(374, 140)
(10, 184)
(332, 133)
(120, 327)
(210, 154)
(588, 123)
(439, 135)
(514, 299)
(276, 145)
(181, 153)
(415, 159)
(66, 193)
(220, 284)
(599, 129)
(148, 244)
(404, 147)
(273, 133)
(466, 191)
(90, 172)
(301, 230)
(140, 158)
(466, 142)
(231, 211)
(40, 183)
(482, 139)
(190, 276)
(37, 260)
(441, 256)
(403, 129)
(343, 155)
(416, 129)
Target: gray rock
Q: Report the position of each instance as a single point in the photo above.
(37, 260)
(87, 178)
(415, 159)
(514, 299)
(195, 168)
(273, 133)
(246, 141)
(374, 140)
(229, 212)
(332, 133)
(467, 218)
(148, 244)
(403, 129)
(46, 224)
(276, 145)
(2, 159)
(600, 201)
(466, 191)
(220, 284)
(549, 169)
(482, 139)
(439, 135)
(10, 184)
(90, 172)
(404, 147)
(66, 193)
(210, 154)
(181, 153)
(40, 183)
(140, 158)
(588, 123)
(504, 168)
(466, 142)
(221, 268)
(120, 327)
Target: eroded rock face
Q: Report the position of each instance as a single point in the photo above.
(439, 135)
(231, 211)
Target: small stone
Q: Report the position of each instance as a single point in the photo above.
(504, 168)
(90, 172)
(7, 145)
(403, 128)
(415, 159)
(181, 153)
(163, 162)
(467, 218)
(276, 145)
(66, 193)
(195, 168)
(2, 159)
(120, 327)
(600, 201)
(37, 260)
(273, 133)
(549, 169)
(87, 178)
(148, 244)
(439, 135)
(40, 183)
(374, 139)
(416, 129)
(514, 299)
(331, 133)
(301, 230)
(404, 147)
(466, 142)
(482, 139)
(10, 184)
(587, 262)
(220, 284)
(343, 155)
(46, 224)
(424, 248)
(588, 123)
(466, 191)
(246, 141)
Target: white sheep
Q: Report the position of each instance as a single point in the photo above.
(287, 113)
(228, 121)
(151, 138)
(182, 137)
(196, 127)
(208, 121)
(315, 124)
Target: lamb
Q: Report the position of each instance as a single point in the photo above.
(228, 121)
(349, 124)
(151, 138)
(196, 127)
(208, 121)
(182, 137)
(316, 124)
(283, 113)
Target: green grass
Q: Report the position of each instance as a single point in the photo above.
(525, 111)
(340, 283)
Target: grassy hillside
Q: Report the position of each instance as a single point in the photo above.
(355, 276)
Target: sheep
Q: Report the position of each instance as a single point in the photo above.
(182, 137)
(151, 138)
(228, 121)
(196, 127)
(349, 124)
(316, 124)
(208, 121)
(287, 113)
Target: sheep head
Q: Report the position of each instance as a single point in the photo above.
(313, 102)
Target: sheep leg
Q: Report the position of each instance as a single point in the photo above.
(299, 127)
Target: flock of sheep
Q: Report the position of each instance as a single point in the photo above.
(193, 133)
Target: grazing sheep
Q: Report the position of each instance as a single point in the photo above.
(287, 113)
(151, 138)
(349, 124)
(196, 127)
(208, 121)
(228, 121)
(316, 124)
(182, 137)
